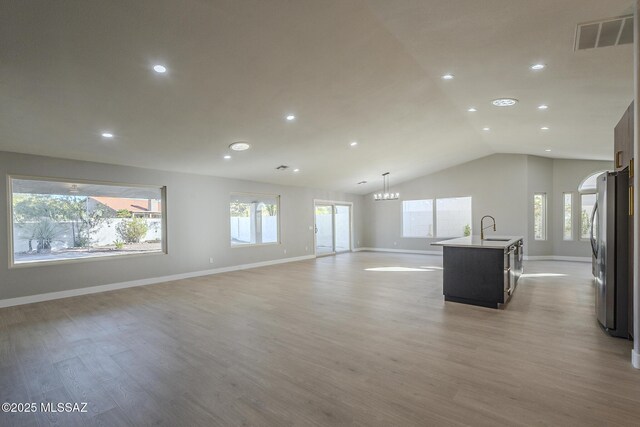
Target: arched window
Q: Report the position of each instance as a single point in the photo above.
(254, 219)
(588, 197)
(588, 185)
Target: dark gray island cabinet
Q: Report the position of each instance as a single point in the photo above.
(481, 272)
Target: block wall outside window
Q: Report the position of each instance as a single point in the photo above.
(62, 220)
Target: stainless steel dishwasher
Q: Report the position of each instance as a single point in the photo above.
(509, 278)
(513, 256)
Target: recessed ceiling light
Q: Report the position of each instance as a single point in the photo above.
(548, 150)
(353, 143)
(472, 110)
(504, 102)
(108, 135)
(160, 69)
(240, 146)
(486, 129)
(447, 77)
(542, 107)
(544, 128)
(296, 170)
(291, 117)
(227, 157)
(537, 67)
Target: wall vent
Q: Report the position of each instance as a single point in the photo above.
(282, 167)
(603, 33)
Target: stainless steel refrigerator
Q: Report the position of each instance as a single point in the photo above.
(610, 245)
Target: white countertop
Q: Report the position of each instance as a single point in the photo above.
(476, 242)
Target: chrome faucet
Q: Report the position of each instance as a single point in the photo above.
(482, 227)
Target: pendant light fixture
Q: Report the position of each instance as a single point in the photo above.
(386, 193)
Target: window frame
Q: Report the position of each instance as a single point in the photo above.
(434, 212)
(433, 218)
(545, 217)
(278, 198)
(586, 193)
(164, 250)
(582, 190)
(571, 215)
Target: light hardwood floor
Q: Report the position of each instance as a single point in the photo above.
(321, 342)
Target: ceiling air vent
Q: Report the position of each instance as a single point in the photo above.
(282, 167)
(603, 33)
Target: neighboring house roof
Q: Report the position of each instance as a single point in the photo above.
(131, 205)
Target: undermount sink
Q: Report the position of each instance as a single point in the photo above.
(496, 239)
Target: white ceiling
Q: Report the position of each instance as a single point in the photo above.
(349, 70)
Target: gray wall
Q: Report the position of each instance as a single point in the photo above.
(495, 183)
(198, 226)
(567, 176)
(539, 176)
(502, 185)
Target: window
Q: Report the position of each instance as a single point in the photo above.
(588, 198)
(540, 216)
(417, 218)
(453, 217)
(588, 185)
(567, 229)
(587, 202)
(254, 219)
(55, 220)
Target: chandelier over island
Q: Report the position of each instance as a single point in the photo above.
(386, 193)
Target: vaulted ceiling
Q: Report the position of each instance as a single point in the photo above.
(349, 70)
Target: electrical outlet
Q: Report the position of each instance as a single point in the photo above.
(285, 251)
(306, 248)
(211, 260)
(395, 243)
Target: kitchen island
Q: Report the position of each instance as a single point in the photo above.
(479, 271)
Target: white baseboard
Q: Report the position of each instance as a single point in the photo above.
(142, 282)
(402, 251)
(526, 258)
(635, 359)
(556, 258)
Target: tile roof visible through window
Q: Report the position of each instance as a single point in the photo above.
(131, 205)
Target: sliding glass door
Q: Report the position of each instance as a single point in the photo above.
(332, 228)
(342, 227)
(324, 230)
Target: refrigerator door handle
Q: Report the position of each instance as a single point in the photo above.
(592, 238)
